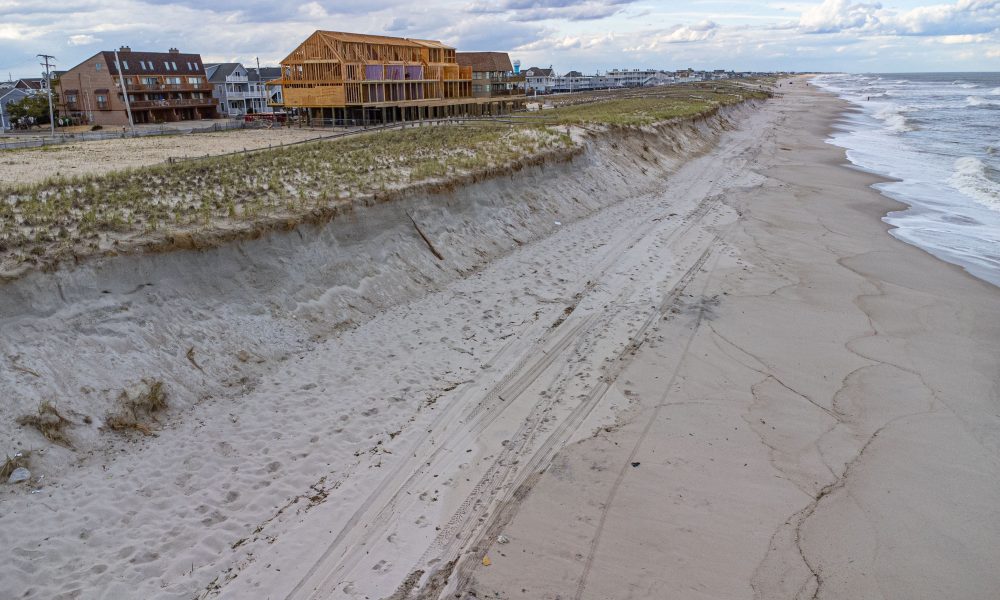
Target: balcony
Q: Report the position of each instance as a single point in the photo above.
(181, 103)
(168, 87)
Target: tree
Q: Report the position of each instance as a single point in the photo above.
(36, 106)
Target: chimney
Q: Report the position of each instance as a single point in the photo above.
(175, 51)
(124, 49)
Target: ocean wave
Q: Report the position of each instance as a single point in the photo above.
(993, 92)
(894, 118)
(971, 179)
(980, 101)
(964, 84)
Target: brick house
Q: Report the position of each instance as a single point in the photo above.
(162, 86)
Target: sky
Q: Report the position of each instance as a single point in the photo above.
(584, 35)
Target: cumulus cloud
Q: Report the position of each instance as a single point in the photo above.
(960, 18)
(838, 15)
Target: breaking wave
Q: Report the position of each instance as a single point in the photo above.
(972, 179)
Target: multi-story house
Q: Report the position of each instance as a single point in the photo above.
(264, 97)
(347, 77)
(539, 81)
(492, 74)
(161, 87)
(243, 91)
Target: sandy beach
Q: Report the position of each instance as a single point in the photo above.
(689, 362)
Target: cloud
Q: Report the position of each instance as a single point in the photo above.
(313, 10)
(543, 10)
(82, 39)
(398, 24)
(959, 18)
(838, 15)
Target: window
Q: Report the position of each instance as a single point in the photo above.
(71, 98)
(196, 67)
(142, 64)
(189, 66)
(194, 80)
(125, 65)
(173, 80)
(174, 65)
(97, 66)
(149, 81)
(166, 66)
(102, 101)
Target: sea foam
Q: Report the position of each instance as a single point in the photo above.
(971, 178)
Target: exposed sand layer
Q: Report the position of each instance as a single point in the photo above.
(359, 410)
(33, 165)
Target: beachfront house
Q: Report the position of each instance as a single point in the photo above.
(341, 78)
(538, 80)
(161, 87)
(492, 74)
(230, 86)
(243, 91)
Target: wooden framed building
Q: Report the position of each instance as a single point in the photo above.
(354, 78)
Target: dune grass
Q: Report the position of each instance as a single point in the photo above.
(660, 104)
(59, 218)
(248, 187)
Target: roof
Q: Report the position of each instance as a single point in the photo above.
(574, 74)
(484, 61)
(382, 39)
(266, 73)
(13, 95)
(539, 72)
(30, 83)
(187, 64)
(218, 72)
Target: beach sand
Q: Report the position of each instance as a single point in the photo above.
(730, 383)
(819, 419)
(72, 159)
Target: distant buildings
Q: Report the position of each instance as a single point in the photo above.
(161, 86)
(492, 74)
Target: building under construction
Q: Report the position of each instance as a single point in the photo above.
(345, 78)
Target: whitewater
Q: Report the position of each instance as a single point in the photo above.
(938, 136)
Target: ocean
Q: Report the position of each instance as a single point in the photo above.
(939, 135)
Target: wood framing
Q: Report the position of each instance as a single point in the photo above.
(335, 74)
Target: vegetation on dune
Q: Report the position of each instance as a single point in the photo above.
(662, 104)
(247, 188)
(60, 218)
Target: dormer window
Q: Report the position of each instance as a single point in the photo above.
(125, 65)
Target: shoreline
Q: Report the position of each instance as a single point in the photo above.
(818, 445)
(911, 205)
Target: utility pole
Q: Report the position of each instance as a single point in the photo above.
(48, 87)
(260, 87)
(121, 81)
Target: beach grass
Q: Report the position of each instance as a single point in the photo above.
(47, 221)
